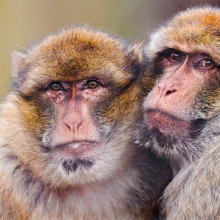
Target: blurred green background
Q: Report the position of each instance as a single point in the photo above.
(26, 21)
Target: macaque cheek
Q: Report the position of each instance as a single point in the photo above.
(37, 116)
(114, 114)
(55, 97)
(207, 102)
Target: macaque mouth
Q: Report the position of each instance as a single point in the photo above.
(166, 123)
(77, 149)
(72, 165)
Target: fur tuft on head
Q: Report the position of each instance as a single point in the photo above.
(196, 29)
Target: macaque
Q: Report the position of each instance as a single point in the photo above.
(67, 128)
(182, 112)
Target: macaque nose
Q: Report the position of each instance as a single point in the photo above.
(72, 124)
(73, 117)
(167, 88)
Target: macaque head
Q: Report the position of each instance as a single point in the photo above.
(185, 63)
(75, 97)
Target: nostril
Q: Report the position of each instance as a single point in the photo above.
(67, 125)
(170, 91)
(79, 124)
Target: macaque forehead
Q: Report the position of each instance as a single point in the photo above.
(196, 25)
(78, 54)
(199, 29)
(196, 29)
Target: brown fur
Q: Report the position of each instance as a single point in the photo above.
(124, 182)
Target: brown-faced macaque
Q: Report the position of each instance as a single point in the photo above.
(182, 111)
(66, 149)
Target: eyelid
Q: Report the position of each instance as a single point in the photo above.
(180, 57)
(169, 51)
(58, 82)
(85, 84)
(199, 64)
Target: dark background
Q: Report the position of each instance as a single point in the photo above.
(26, 21)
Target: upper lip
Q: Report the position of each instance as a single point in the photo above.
(62, 145)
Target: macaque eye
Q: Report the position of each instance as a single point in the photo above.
(56, 86)
(92, 84)
(206, 63)
(176, 56)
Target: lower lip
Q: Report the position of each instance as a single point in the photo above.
(78, 149)
(166, 124)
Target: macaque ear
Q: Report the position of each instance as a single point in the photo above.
(135, 54)
(19, 67)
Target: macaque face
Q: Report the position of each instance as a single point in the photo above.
(75, 101)
(75, 136)
(185, 95)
